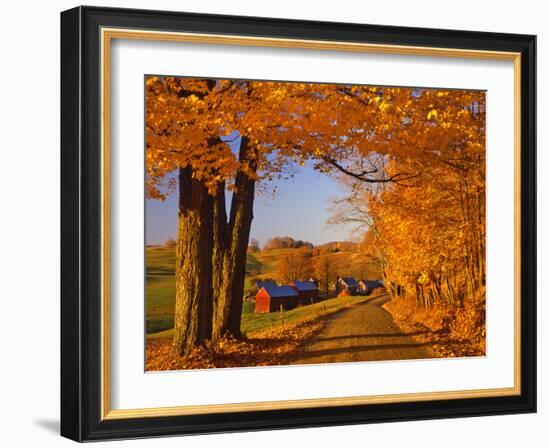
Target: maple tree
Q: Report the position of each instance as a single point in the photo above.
(187, 125)
(429, 232)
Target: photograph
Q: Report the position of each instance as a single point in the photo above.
(291, 223)
(280, 223)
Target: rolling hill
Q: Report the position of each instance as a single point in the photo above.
(160, 269)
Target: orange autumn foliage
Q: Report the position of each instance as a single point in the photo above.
(429, 232)
(412, 158)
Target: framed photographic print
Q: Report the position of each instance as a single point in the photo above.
(276, 224)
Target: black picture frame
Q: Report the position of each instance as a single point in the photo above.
(81, 224)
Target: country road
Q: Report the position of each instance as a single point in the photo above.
(365, 332)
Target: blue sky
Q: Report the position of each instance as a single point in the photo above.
(300, 209)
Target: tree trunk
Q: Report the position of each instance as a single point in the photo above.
(230, 301)
(219, 324)
(193, 310)
(327, 281)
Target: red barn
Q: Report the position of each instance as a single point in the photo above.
(348, 284)
(270, 298)
(367, 286)
(308, 292)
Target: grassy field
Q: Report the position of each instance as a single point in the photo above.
(160, 290)
(254, 324)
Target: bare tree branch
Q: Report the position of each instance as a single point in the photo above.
(364, 176)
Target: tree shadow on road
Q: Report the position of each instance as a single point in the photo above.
(372, 335)
(339, 354)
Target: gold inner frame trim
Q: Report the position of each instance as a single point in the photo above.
(107, 35)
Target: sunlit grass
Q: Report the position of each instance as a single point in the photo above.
(160, 291)
(253, 324)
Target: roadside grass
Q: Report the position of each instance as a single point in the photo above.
(158, 325)
(253, 324)
(160, 260)
(160, 291)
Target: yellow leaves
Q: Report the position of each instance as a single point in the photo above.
(289, 123)
(151, 80)
(423, 278)
(445, 331)
(277, 94)
(432, 113)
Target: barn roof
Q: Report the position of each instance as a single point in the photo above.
(305, 286)
(280, 291)
(372, 283)
(261, 283)
(350, 281)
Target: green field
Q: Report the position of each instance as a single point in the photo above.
(252, 322)
(160, 290)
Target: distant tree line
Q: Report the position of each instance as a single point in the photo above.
(286, 242)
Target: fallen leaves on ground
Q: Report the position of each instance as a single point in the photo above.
(275, 347)
(449, 332)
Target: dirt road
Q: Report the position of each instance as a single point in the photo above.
(365, 332)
